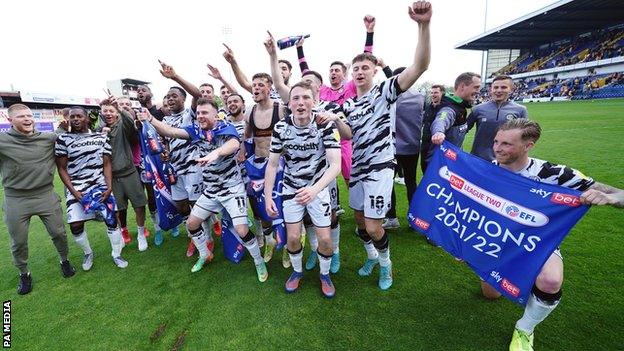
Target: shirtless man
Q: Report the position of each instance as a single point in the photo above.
(261, 119)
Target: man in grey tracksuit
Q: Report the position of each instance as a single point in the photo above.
(489, 115)
(27, 168)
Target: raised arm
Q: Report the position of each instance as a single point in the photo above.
(214, 73)
(168, 72)
(369, 23)
(420, 12)
(278, 81)
(161, 127)
(303, 64)
(241, 78)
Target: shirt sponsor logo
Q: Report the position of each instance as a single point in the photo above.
(302, 147)
(88, 143)
(355, 116)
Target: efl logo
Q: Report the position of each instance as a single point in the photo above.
(565, 199)
(450, 154)
(510, 288)
(456, 182)
(421, 224)
(512, 210)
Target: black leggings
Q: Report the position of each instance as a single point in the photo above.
(407, 163)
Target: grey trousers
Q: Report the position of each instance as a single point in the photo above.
(17, 214)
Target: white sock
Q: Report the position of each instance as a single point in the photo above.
(200, 244)
(254, 250)
(335, 237)
(83, 241)
(154, 217)
(535, 312)
(324, 263)
(371, 251)
(140, 231)
(312, 238)
(296, 259)
(384, 257)
(116, 241)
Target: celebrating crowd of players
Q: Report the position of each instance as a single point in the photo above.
(317, 131)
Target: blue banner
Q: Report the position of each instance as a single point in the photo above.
(503, 225)
(255, 172)
(168, 216)
(233, 248)
(92, 203)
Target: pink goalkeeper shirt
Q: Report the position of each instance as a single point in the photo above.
(347, 91)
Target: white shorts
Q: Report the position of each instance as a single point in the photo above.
(189, 186)
(333, 194)
(319, 210)
(235, 205)
(373, 194)
(75, 211)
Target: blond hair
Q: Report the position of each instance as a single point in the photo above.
(531, 130)
(17, 107)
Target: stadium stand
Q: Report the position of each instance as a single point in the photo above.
(593, 46)
(572, 49)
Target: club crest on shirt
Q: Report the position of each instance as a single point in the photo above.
(313, 131)
(510, 116)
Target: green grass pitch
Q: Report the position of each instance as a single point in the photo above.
(434, 304)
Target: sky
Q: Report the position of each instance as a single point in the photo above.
(75, 47)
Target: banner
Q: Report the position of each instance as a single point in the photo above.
(58, 99)
(45, 120)
(255, 172)
(233, 248)
(168, 216)
(503, 225)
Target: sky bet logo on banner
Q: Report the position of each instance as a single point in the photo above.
(503, 225)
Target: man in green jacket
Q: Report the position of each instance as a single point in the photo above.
(27, 167)
(126, 182)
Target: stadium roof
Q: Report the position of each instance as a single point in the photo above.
(560, 20)
(133, 81)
